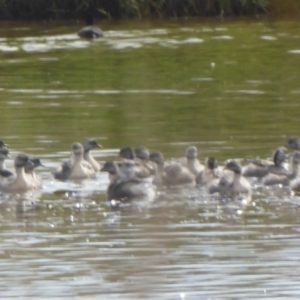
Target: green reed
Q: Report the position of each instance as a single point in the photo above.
(119, 9)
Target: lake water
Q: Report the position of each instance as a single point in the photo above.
(229, 88)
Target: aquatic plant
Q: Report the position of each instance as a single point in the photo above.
(118, 9)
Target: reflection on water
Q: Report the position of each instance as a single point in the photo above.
(231, 89)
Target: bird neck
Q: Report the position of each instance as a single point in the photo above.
(295, 170)
(78, 158)
(87, 155)
(21, 175)
(2, 164)
(236, 176)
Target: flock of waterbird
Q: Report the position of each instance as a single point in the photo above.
(140, 174)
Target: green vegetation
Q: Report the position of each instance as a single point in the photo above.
(120, 9)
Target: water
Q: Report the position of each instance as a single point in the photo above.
(231, 89)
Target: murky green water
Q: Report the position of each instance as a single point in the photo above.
(231, 89)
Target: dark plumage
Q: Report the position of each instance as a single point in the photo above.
(2, 144)
(260, 168)
(90, 31)
(4, 152)
(285, 179)
(6, 173)
(158, 158)
(209, 173)
(294, 143)
(124, 185)
(142, 153)
(234, 166)
(64, 172)
(127, 153)
(238, 185)
(21, 160)
(33, 162)
(88, 145)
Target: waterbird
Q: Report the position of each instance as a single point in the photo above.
(64, 172)
(127, 153)
(260, 168)
(121, 171)
(142, 155)
(125, 170)
(125, 187)
(238, 185)
(140, 165)
(191, 162)
(210, 176)
(88, 145)
(90, 31)
(19, 182)
(288, 179)
(77, 167)
(170, 174)
(294, 143)
(32, 164)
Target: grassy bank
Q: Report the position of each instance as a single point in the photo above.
(120, 9)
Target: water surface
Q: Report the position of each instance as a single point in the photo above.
(231, 89)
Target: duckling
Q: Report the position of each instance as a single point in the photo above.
(125, 170)
(127, 153)
(294, 143)
(209, 173)
(142, 154)
(120, 172)
(171, 174)
(125, 187)
(176, 174)
(20, 182)
(112, 169)
(158, 159)
(140, 167)
(260, 168)
(285, 179)
(64, 172)
(90, 31)
(77, 168)
(236, 186)
(192, 163)
(88, 145)
(33, 162)
(216, 179)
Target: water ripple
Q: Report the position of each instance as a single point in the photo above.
(223, 37)
(268, 38)
(247, 92)
(45, 94)
(118, 40)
